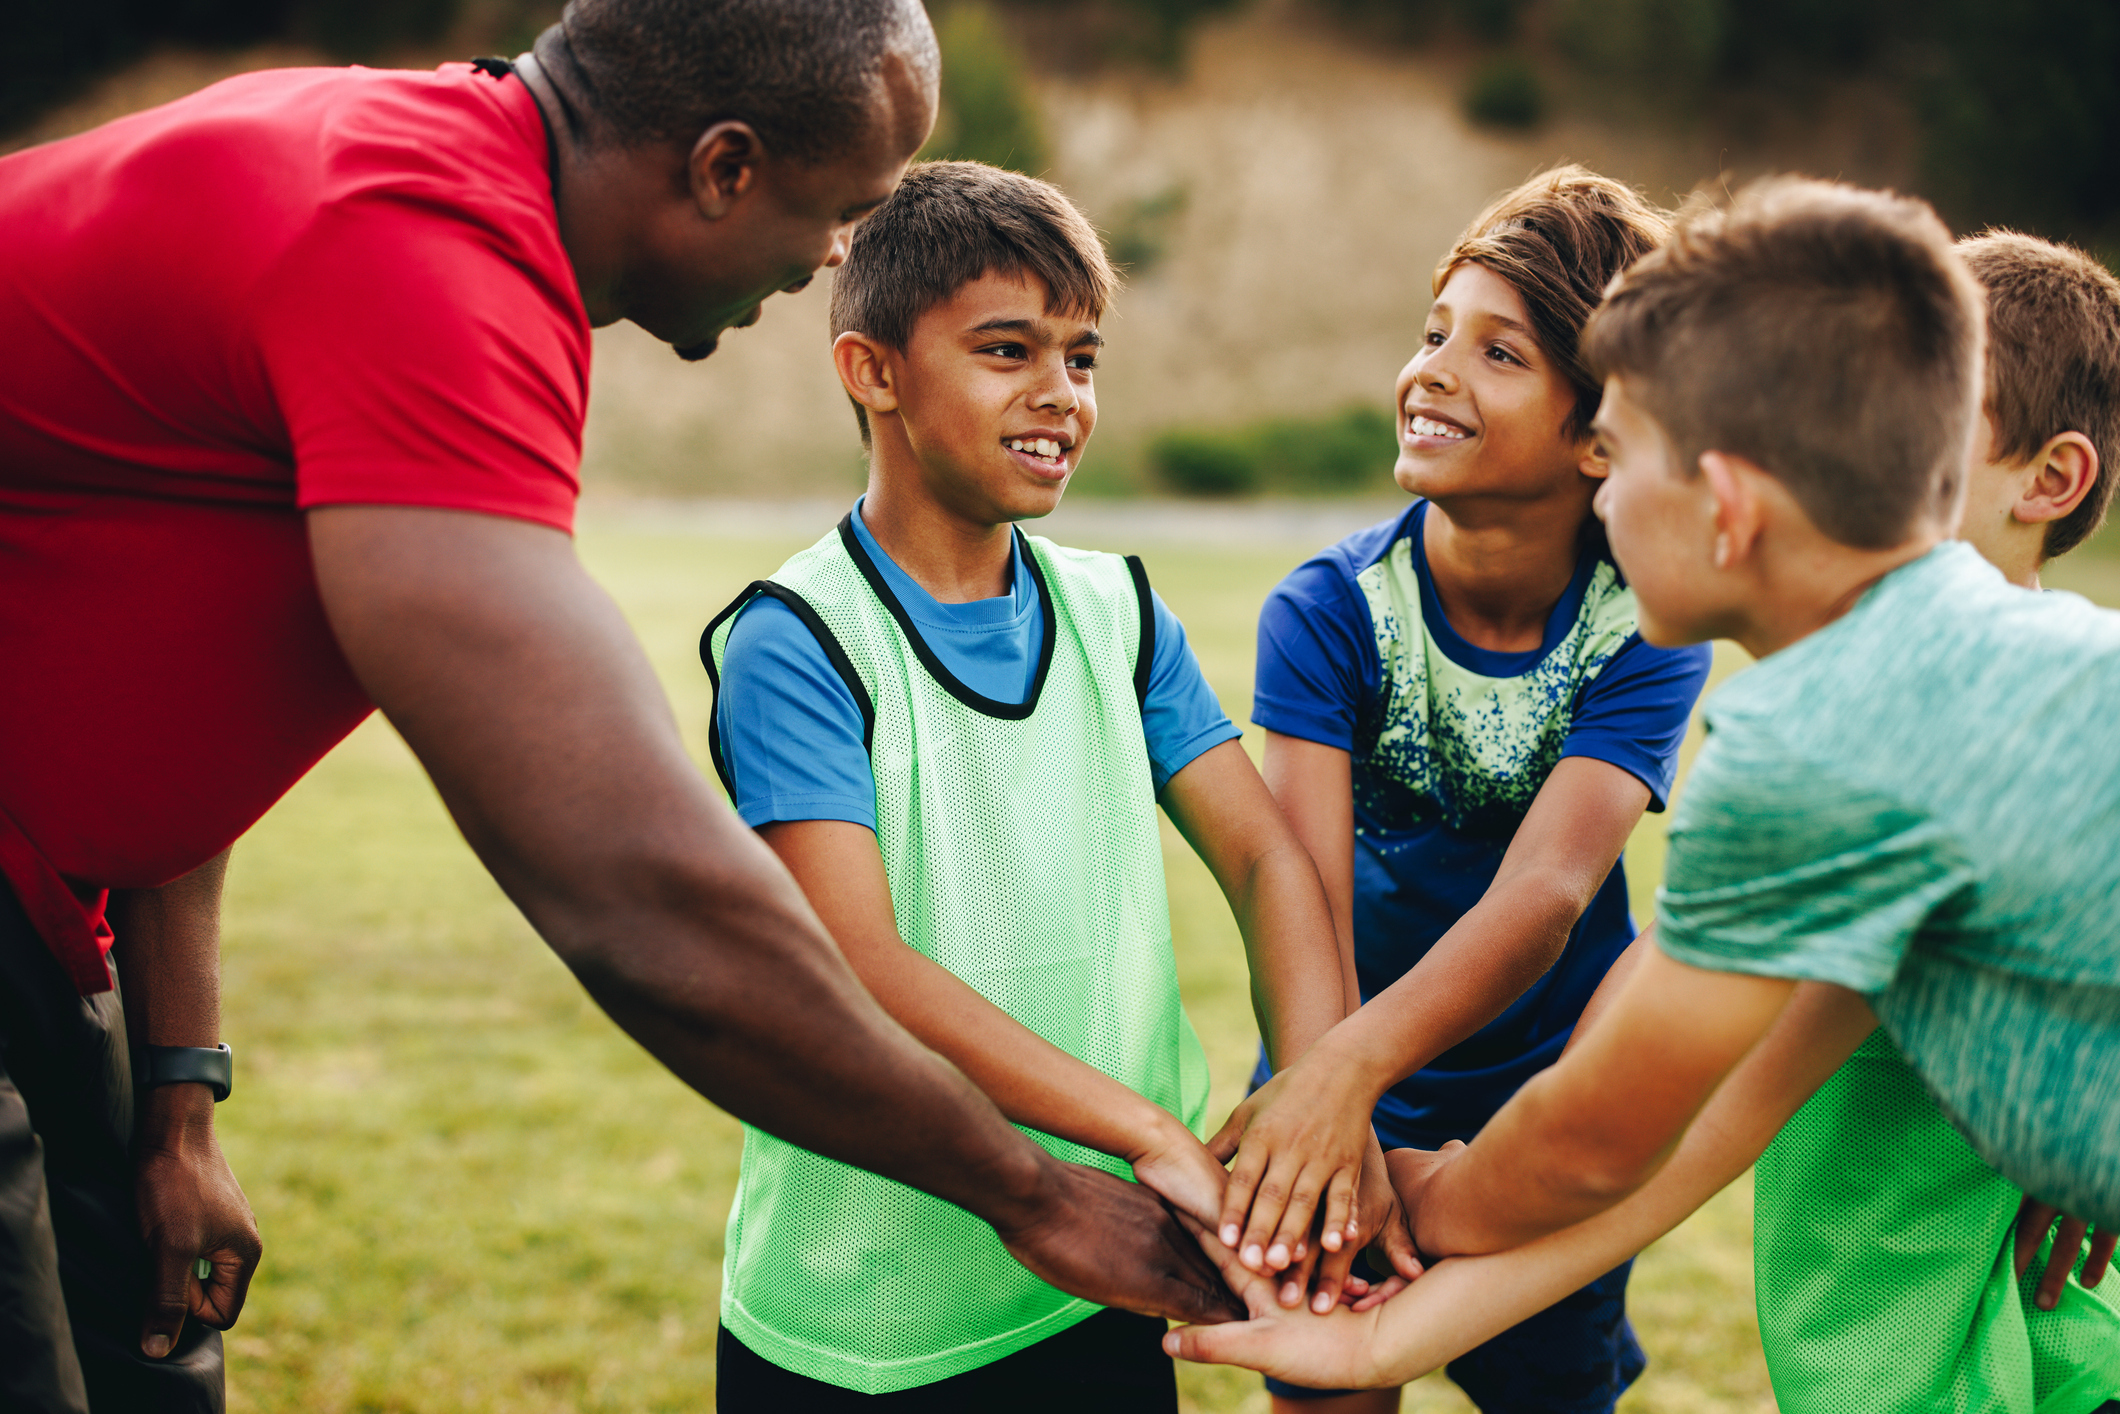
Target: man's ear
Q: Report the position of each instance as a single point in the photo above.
(865, 371)
(1740, 510)
(723, 167)
(2063, 473)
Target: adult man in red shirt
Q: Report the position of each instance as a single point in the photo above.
(296, 371)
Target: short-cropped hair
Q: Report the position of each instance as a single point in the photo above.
(2053, 360)
(804, 74)
(1830, 335)
(1558, 240)
(950, 223)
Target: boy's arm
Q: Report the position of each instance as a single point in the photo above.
(1302, 984)
(1466, 1301)
(1034, 1082)
(1559, 858)
(1582, 1136)
(167, 945)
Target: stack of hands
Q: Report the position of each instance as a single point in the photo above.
(1307, 1188)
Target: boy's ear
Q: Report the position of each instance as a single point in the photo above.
(2063, 473)
(1740, 507)
(1594, 463)
(865, 371)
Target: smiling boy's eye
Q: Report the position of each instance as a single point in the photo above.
(1082, 362)
(1004, 350)
(1433, 338)
(1502, 354)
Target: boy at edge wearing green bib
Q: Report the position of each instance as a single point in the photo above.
(955, 736)
(1891, 660)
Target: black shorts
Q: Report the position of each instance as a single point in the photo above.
(1113, 1363)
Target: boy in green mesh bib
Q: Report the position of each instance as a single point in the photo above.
(956, 736)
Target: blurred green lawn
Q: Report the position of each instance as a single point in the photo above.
(477, 1195)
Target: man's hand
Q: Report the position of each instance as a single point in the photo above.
(2034, 1219)
(1298, 1140)
(1116, 1244)
(1329, 1351)
(190, 1207)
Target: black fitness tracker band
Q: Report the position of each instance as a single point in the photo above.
(176, 1065)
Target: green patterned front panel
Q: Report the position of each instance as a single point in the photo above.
(1453, 746)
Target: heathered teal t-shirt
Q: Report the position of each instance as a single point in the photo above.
(1921, 802)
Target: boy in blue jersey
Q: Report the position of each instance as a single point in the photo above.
(956, 737)
(1463, 725)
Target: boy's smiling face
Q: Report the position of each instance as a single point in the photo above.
(992, 398)
(1482, 408)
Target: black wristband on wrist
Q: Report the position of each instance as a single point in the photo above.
(177, 1065)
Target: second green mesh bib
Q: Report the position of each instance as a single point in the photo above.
(1881, 1249)
(1023, 854)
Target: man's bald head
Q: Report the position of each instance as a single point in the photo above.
(808, 76)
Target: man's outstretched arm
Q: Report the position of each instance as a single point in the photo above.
(516, 681)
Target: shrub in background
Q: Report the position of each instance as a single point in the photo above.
(1505, 93)
(1348, 451)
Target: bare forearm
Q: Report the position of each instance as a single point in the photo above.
(1474, 972)
(1299, 984)
(1033, 1081)
(168, 950)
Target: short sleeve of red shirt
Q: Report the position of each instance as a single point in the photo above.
(425, 350)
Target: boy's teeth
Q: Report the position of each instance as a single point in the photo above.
(1036, 446)
(1429, 427)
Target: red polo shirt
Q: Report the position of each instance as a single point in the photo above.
(298, 288)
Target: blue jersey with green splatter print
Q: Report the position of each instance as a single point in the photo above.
(1450, 743)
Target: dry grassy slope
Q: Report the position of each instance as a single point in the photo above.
(1322, 179)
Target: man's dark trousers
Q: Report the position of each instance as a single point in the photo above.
(73, 1267)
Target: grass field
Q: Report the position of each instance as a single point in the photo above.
(478, 1195)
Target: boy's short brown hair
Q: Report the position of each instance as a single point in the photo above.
(1830, 335)
(2053, 360)
(1558, 240)
(950, 223)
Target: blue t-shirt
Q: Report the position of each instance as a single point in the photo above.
(791, 733)
(1450, 743)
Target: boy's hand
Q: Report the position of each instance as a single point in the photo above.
(1299, 1140)
(1327, 1276)
(1412, 1170)
(2034, 1218)
(1329, 1351)
(1178, 1166)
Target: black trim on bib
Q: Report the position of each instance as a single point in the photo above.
(826, 640)
(1145, 655)
(944, 678)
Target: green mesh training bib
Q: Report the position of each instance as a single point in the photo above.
(1882, 1255)
(1023, 854)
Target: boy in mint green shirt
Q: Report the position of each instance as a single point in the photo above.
(956, 737)
(1886, 1275)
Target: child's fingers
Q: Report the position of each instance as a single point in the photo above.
(1268, 1201)
(1340, 1229)
(1293, 1234)
(1238, 1194)
(1292, 1286)
(2101, 1257)
(1377, 1295)
(2033, 1220)
(1332, 1278)
(2068, 1245)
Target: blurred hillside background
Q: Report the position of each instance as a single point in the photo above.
(1277, 177)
